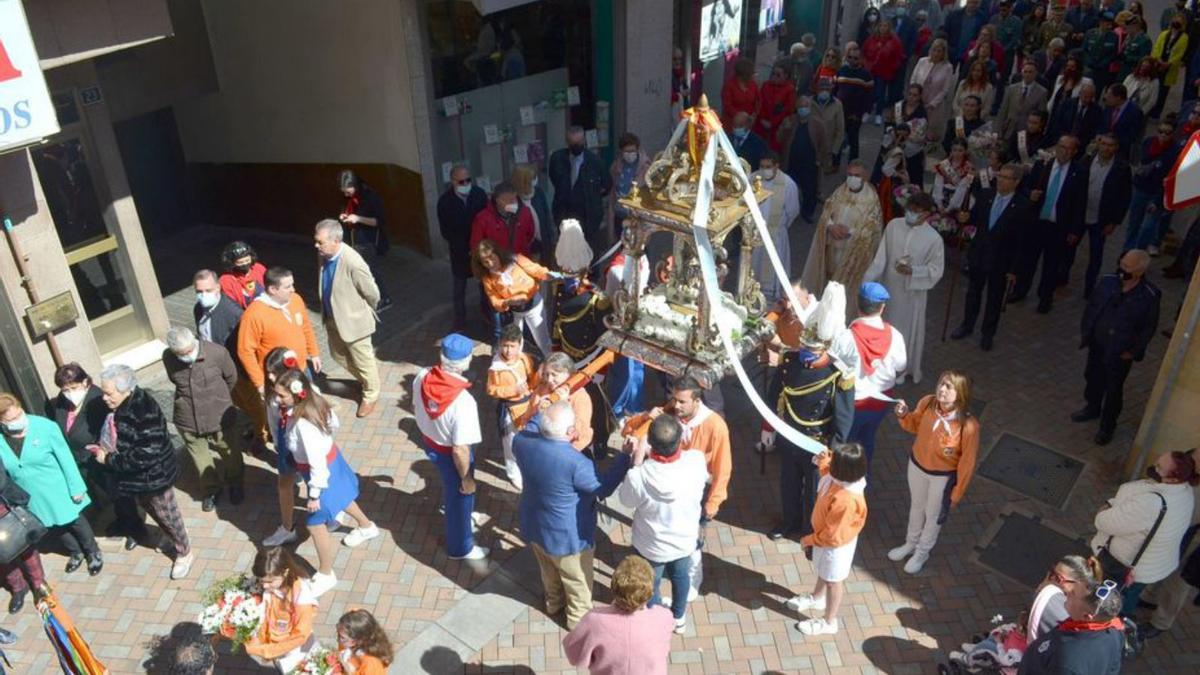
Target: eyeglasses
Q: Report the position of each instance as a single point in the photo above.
(1105, 589)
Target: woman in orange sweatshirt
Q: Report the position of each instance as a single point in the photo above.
(941, 464)
(364, 647)
(511, 284)
(285, 634)
(838, 517)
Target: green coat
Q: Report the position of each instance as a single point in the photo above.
(1135, 50)
(47, 471)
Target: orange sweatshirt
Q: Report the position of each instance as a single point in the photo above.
(519, 282)
(707, 433)
(505, 378)
(365, 664)
(265, 326)
(839, 514)
(581, 404)
(954, 449)
(286, 625)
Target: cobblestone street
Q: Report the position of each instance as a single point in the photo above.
(447, 616)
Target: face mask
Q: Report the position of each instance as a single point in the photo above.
(1153, 474)
(767, 174)
(823, 97)
(901, 11)
(511, 208)
(75, 396)
(208, 300)
(16, 426)
(190, 357)
(855, 183)
(740, 133)
(803, 112)
(242, 269)
(463, 190)
(630, 157)
(1125, 276)
(576, 149)
(913, 218)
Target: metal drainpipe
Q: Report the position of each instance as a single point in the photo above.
(1174, 365)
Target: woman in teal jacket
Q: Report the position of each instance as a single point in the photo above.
(37, 458)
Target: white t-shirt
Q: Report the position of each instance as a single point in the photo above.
(459, 425)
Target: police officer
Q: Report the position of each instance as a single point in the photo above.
(1120, 319)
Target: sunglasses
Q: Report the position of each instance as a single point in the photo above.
(1106, 589)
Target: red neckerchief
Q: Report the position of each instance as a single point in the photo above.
(1157, 146)
(666, 460)
(873, 343)
(438, 391)
(1073, 626)
(352, 204)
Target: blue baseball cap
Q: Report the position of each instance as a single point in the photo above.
(872, 291)
(457, 347)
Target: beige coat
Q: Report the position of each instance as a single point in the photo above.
(354, 297)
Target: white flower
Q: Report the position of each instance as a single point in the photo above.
(997, 619)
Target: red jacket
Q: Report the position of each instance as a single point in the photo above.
(884, 56)
(489, 225)
(777, 102)
(735, 99)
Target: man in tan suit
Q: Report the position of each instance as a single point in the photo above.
(1019, 99)
(349, 296)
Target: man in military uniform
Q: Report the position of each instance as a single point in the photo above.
(816, 399)
(1100, 46)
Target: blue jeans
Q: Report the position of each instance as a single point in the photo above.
(1143, 228)
(865, 427)
(881, 95)
(459, 539)
(1130, 597)
(677, 572)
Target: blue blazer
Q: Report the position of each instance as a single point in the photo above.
(561, 487)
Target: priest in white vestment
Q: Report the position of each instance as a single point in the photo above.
(910, 261)
(780, 209)
(847, 233)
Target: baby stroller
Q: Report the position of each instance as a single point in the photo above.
(999, 651)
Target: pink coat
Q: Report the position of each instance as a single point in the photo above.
(608, 641)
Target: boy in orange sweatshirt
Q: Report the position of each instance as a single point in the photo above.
(837, 519)
(510, 380)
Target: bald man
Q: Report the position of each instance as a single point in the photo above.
(1120, 319)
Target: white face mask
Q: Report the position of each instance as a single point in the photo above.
(855, 183)
(511, 208)
(463, 190)
(75, 396)
(190, 357)
(767, 174)
(208, 299)
(913, 218)
(630, 157)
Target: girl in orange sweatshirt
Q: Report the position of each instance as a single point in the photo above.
(285, 634)
(510, 380)
(941, 464)
(511, 284)
(364, 647)
(838, 517)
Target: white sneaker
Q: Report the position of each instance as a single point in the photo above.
(322, 583)
(280, 537)
(916, 562)
(360, 534)
(692, 595)
(477, 553)
(901, 552)
(182, 566)
(817, 626)
(681, 626)
(345, 520)
(478, 520)
(805, 602)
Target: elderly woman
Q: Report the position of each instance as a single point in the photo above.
(26, 569)
(38, 460)
(553, 379)
(135, 449)
(1139, 530)
(79, 413)
(627, 637)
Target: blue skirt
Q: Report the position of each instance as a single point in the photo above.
(341, 492)
(625, 386)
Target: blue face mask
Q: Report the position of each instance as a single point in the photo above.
(16, 426)
(823, 97)
(208, 300)
(803, 112)
(740, 133)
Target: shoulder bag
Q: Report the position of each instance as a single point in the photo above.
(19, 529)
(1115, 569)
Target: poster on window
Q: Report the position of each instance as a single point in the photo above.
(720, 28)
(770, 15)
(26, 113)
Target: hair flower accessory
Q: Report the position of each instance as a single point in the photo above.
(291, 360)
(297, 389)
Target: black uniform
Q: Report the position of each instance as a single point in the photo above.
(819, 402)
(577, 326)
(1115, 322)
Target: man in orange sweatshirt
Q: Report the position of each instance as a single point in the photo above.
(276, 318)
(704, 430)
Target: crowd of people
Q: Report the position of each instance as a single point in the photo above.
(1033, 117)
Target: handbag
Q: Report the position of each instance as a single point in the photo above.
(19, 529)
(1115, 569)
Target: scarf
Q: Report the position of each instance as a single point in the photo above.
(943, 420)
(439, 389)
(352, 204)
(1073, 626)
(873, 343)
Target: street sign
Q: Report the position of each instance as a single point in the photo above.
(26, 113)
(1182, 185)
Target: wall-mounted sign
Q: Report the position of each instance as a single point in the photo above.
(52, 313)
(26, 114)
(91, 95)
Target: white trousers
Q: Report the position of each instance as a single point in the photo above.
(696, 572)
(926, 492)
(535, 319)
(507, 433)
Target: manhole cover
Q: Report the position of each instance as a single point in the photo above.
(1031, 469)
(1024, 549)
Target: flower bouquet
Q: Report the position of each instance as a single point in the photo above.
(904, 192)
(233, 609)
(319, 661)
(945, 225)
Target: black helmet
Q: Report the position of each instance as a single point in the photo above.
(235, 250)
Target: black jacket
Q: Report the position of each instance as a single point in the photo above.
(1074, 653)
(1128, 127)
(1134, 319)
(969, 126)
(223, 322)
(1072, 194)
(1114, 195)
(145, 460)
(994, 250)
(86, 429)
(1072, 117)
(584, 200)
(11, 492)
(454, 221)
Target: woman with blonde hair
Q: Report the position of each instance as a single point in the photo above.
(935, 74)
(940, 465)
(976, 83)
(627, 637)
(524, 178)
